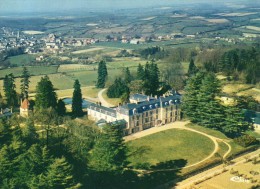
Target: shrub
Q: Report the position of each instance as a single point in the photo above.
(246, 140)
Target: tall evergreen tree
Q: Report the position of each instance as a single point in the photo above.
(77, 100)
(117, 89)
(9, 90)
(192, 68)
(25, 83)
(61, 108)
(60, 175)
(140, 72)
(127, 76)
(45, 95)
(102, 74)
(109, 152)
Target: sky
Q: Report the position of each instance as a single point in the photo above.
(17, 6)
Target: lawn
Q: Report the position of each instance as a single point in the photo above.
(170, 145)
(208, 131)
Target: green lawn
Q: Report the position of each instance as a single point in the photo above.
(170, 145)
(212, 132)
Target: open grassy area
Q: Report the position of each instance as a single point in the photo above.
(170, 145)
(86, 91)
(33, 70)
(211, 132)
(21, 60)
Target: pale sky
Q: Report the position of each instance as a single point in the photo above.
(61, 5)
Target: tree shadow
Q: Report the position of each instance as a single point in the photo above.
(163, 175)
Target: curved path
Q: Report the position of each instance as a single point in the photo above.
(180, 125)
(102, 100)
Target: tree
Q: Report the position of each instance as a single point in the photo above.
(102, 74)
(25, 83)
(140, 72)
(60, 175)
(45, 95)
(30, 136)
(48, 119)
(127, 76)
(192, 68)
(9, 89)
(151, 78)
(109, 152)
(117, 89)
(77, 100)
(61, 108)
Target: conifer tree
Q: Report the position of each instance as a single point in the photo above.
(61, 108)
(60, 174)
(77, 100)
(109, 152)
(45, 95)
(127, 76)
(25, 83)
(102, 74)
(9, 90)
(192, 68)
(140, 72)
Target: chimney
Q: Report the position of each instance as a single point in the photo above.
(156, 96)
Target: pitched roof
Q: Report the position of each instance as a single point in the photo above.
(25, 104)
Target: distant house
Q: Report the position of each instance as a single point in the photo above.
(135, 41)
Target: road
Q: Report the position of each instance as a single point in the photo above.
(214, 171)
(102, 100)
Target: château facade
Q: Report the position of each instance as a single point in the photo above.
(141, 113)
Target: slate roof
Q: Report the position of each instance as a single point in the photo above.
(141, 107)
(140, 97)
(103, 109)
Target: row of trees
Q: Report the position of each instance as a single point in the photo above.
(10, 88)
(241, 63)
(45, 97)
(202, 107)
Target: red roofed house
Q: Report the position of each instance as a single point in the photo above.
(24, 109)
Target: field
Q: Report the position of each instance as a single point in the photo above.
(31, 32)
(21, 60)
(170, 145)
(87, 50)
(34, 70)
(223, 181)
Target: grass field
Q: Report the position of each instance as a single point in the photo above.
(170, 145)
(212, 132)
(33, 70)
(21, 60)
(86, 91)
